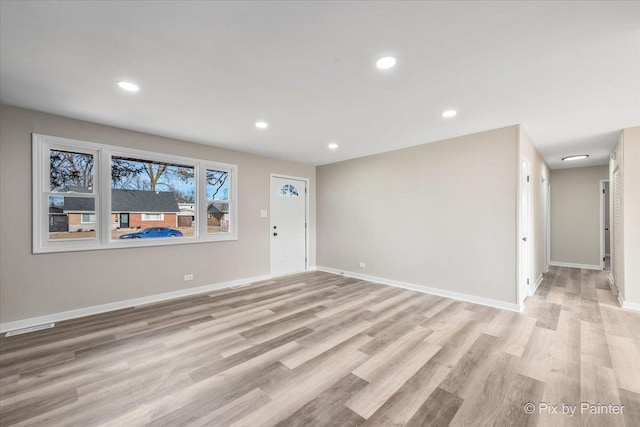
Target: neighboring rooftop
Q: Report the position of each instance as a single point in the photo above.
(126, 201)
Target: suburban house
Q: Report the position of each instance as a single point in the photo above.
(218, 214)
(130, 209)
(187, 214)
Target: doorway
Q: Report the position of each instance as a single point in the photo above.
(547, 226)
(124, 220)
(288, 227)
(525, 251)
(605, 226)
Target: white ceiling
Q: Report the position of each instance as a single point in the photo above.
(568, 71)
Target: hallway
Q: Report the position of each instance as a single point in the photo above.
(584, 346)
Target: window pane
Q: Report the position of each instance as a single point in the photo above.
(88, 218)
(150, 199)
(152, 217)
(69, 171)
(66, 218)
(217, 201)
(289, 190)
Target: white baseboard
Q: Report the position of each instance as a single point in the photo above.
(635, 306)
(627, 304)
(535, 285)
(97, 309)
(426, 290)
(573, 265)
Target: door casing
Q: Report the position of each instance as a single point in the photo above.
(602, 220)
(524, 231)
(306, 218)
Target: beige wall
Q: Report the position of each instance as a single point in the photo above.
(539, 179)
(449, 215)
(631, 159)
(575, 214)
(35, 285)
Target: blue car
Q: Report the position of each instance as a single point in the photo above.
(153, 232)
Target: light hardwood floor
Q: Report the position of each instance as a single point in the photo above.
(320, 349)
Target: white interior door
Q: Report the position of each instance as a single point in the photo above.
(525, 251)
(288, 225)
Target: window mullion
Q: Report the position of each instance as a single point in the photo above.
(201, 200)
(234, 203)
(103, 190)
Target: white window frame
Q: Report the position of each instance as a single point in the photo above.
(146, 218)
(103, 153)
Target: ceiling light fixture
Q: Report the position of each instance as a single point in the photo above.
(386, 62)
(333, 146)
(128, 86)
(262, 125)
(449, 113)
(576, 157)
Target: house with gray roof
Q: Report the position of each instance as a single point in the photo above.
(129, 209)
(218, 214)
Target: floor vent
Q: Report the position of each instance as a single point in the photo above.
(30, 329)
(240, 286)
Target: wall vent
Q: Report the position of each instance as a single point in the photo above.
(30, 329)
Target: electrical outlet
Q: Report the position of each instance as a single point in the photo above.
(188, 277)
(362, 265)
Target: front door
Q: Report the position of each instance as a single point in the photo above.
(124, 220)
(288, 225)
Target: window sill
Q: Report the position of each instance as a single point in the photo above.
(137, 243)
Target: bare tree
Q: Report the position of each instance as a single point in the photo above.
(126, 173)
(216, 179)
(154, 172)
(68, 170)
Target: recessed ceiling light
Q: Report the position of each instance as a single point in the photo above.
(128, 86)
(449, 113)
(333, 146)
(576, 157)
(386, 62)
(262, 125)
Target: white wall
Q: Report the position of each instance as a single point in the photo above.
(37, 285)
(440, 215)
(575, 215)
(631, 159)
